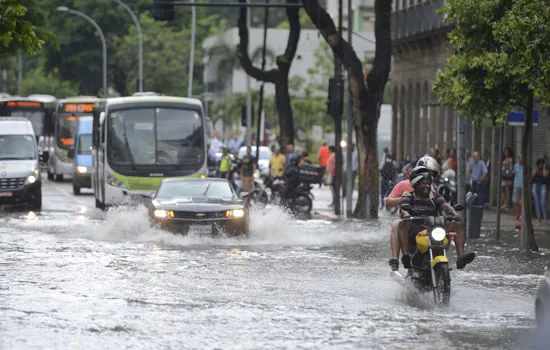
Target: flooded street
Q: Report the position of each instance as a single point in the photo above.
(74, 277)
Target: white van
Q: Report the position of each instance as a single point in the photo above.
(20, 182)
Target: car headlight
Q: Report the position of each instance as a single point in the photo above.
(81, 169)
(30, 180)
(113, 181)
(438, 234)
(235, 213)
(161, 213)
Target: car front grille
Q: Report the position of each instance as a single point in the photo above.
(192, 215)
(11, 183)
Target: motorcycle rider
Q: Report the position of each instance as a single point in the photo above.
(292, 179)
(394, 199)
(427, 203)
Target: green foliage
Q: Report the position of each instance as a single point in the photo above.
(39, 82)
(229, 109)
(500, 57)
(21, 27)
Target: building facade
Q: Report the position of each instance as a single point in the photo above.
(420, 48)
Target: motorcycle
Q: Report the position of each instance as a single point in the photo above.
(271, 191)
(430, 270)
(447, 186)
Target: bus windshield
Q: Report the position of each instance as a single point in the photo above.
(85, 144)
(17, 147)
(36, 117)
(66, 130)
(155, 136)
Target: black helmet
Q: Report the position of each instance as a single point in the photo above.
(419, 173)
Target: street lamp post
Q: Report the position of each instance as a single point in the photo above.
(140, 42)
(101, 36)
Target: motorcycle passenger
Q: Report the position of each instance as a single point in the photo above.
(394, 200)
(225, 164)
(427, 203)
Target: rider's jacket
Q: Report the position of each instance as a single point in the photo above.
(292, 178)
(431, 206)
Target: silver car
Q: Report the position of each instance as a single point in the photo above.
(263, 162)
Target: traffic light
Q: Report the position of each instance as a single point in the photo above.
(335, 103)
(164, 10)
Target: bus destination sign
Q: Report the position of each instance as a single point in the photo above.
(32, 104)
(78, 107)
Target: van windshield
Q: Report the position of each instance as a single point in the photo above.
(17, 147)
(85, 144)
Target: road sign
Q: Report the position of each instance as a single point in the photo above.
(518, 118)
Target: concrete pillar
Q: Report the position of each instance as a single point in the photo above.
(432, 127)
(440, 127)
(394, 125)
(424, 128)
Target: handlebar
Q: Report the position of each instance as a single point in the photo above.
(432, 220)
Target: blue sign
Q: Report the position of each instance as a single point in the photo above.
(518, 118)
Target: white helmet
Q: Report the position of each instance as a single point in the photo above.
(429, 163)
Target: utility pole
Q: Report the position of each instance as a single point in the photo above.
(349, 128)
(499, 192)
(192, 53)
(248, 93)
(461, 176)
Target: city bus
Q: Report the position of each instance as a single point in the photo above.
(39, 110)
(66, 116)
(139, 140)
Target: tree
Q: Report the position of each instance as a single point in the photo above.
(499, 63)
(367, 96)
(39, 82)
(227, 61)
(278, 76)
(21, 27)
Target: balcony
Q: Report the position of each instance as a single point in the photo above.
(417, 21)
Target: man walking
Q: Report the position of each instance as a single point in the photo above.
(478, 178)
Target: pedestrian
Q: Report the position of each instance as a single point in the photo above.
(507, 177)
(517, 193)
(277, 163)
(304, 158)
(331, 172)
(540, 189)
(454, 162)
(447, 160)
(478, 178)
(248, 168)
(389, 176)
(225, 164)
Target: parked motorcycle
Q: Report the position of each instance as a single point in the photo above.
(447, 186)
(430, 270)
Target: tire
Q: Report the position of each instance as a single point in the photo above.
(76, 190)
(50, 176)
(99, 205)
(36, 203)
(304, 202)
(442, 293)
(58, 178)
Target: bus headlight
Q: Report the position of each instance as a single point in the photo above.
(113, 181)
(438, 234)
(81, 169)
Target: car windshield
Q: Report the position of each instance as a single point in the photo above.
(85, 144)
(265, 153)
(155, 136)
(14, 147)
(35, 117)
(171, 189)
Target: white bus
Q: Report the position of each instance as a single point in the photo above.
(140, 140)
(66, 117)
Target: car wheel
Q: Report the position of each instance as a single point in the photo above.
(50, 176)
(58, 178)
(36, 203)
(99, 205)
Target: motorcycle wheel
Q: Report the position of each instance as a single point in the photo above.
(302, 204)
(442, 293)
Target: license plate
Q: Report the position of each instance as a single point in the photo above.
(200, 229)
(6, 194)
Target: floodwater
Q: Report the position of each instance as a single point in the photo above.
(73, 277)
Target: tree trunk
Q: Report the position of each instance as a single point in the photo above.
(527, 170)
(367, 96)
(278, 76)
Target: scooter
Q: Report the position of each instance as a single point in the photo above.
(430, 270)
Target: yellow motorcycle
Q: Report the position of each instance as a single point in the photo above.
(430, 270)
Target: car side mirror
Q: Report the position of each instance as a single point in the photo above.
(71, 153)
(458, 207)
(244, 194)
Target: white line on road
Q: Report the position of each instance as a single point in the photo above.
(67, 194)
